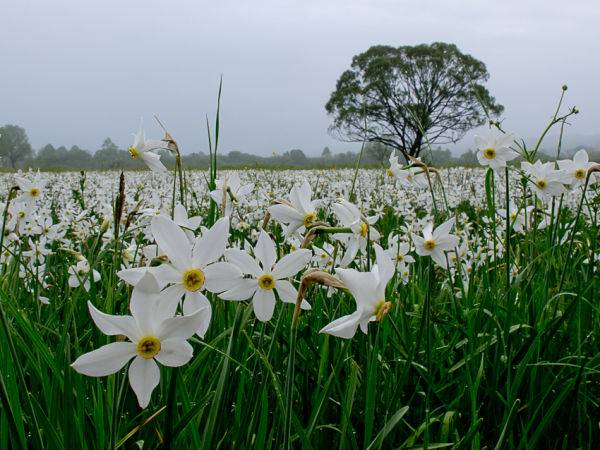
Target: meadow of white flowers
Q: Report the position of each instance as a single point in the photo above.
(169, 270)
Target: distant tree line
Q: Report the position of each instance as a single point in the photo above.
(16, 152)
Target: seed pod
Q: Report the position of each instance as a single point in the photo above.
(314, 276)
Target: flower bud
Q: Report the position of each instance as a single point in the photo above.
(105, 225)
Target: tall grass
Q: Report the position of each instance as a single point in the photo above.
(497, 360)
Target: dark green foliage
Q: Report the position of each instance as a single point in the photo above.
(411, 96)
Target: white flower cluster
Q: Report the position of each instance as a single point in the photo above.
(172, 262)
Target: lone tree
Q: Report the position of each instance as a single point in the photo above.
(14, 145)
(407, 96)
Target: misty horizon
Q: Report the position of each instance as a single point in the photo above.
(99, 67)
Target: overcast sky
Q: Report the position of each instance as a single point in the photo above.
(75, 72)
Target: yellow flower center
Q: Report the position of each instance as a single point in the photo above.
(193, 279)
(35, 192)
(266, 281)
(541, 184)
(364, 229)
(381, 309)
(21, 214)
(390, 173)
(309, 219)
(133, 152)
(148, 347)
(489, 153)
(399, 258)
(580, 174)
(429, 244)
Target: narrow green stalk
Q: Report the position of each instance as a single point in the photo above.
(35, 430)
(430, 282)
(351, 196)
(508, 228)
(210, 428)
(289, 387)
(576, 221)
(173, 194)
(170, 412)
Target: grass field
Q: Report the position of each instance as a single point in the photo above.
(482, 334)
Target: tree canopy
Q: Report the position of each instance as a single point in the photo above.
(14, 145)
(404, 97)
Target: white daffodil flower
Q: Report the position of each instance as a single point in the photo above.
(368, 290)
(230, 191)
(494, 150)
(323, 256)
(301, 212)
(52, 231)
(350, 217)
(193, 267)
(413, 176)
(436, 242)
(30, 191)
(266, 275)
(180, 217)
(79, 274)
(395, 167)
(546, 181)
(403, 271)
(144, 149)
(154, 335)
(189, 224)
(575, 171)
(516, 216)
(399, 251)
(37, 251)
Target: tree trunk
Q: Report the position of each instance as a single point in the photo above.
(415, 148)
